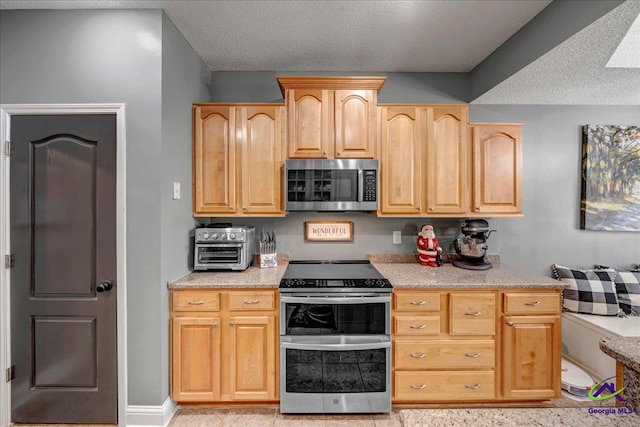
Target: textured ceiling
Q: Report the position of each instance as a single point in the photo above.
(396, 36)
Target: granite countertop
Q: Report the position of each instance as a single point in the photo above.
(623, 349)
(410, 274)
(403, 271)
(252, 277)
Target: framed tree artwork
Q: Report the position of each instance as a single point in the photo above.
(610, 178)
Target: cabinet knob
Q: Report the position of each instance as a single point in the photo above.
(215, 324)
(419, 208)
(232, 324)
(510, 323)
(478, 208)
(431, 209)
(324, 153)
(230, 207)
(338, 153)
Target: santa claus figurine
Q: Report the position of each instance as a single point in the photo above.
(429, 250)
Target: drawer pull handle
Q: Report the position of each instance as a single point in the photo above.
(532, 303)
(418, 356)
(255, 301)
(418, 303)
(477, 313)
(418, 387)
(195, 302)
(474, 387)
(418, 326)
(475, 356)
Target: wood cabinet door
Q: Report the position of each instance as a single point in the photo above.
(355, 124)
(214, 185)
(260, 158)
(310, 113)
(448, 176)
(497, 168)
(252, 356)
(401, 154)
(195, 361)
(531, 364)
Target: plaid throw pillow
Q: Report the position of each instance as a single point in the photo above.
(628, 289)
(589, 291)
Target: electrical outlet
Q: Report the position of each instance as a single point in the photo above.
(397, 237)
(176, 191)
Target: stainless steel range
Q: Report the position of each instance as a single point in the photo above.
(335, 338)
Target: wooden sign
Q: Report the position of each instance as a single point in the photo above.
(328, 231)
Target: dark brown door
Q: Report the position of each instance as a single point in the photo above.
(63, 238)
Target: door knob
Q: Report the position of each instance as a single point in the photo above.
(104, 286)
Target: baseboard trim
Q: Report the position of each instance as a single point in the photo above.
(158, 416)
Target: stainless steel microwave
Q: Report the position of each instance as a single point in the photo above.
(331, 185)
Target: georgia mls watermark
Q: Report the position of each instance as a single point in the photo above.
(596, 395)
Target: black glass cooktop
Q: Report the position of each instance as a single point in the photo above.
(329, 275)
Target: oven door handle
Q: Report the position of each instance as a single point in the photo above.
(335, 347)
(336, 300)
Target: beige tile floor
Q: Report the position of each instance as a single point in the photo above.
(263, 417)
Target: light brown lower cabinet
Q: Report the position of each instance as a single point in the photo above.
(475, 345)
(224, 345)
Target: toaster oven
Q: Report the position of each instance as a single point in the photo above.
(229, 248)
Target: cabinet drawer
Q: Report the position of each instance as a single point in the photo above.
(444, 354)
(417, 301)
(416, 325)
(444, 385)
(242, 301)
(531, 303)
(192, 300)
(473, 314)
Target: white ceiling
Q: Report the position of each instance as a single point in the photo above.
(398, 36)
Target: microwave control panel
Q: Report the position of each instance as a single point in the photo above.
(370, 190)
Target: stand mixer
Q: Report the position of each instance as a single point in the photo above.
(472, 247)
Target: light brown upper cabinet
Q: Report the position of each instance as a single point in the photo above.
(447, 172)
(331, 117)
(424, 160)
(497, 168)
(237, 159)
(402, 147)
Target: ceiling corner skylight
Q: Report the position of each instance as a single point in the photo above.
(627, 54)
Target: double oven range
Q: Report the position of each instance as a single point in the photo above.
(335, 338)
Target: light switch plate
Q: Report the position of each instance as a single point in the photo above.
(397, 237)
(176, 191)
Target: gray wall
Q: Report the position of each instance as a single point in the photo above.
(185, 80)
(549, 231)
(116, 56)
